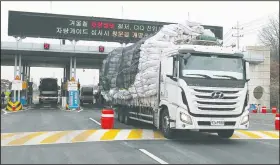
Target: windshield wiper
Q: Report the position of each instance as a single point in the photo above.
(231, 77)
(203, 75)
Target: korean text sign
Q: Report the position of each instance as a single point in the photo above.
(27, 24)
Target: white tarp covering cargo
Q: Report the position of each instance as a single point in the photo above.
(132, 72)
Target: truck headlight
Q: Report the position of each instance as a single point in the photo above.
(245, 119)
(185, 118)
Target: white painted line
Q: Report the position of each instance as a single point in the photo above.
(96, 136)
(95, 121)
(80, 110)
(148, 134)
(123, 134)
(69, 136)
(38, 139)
(153, 156)
(5, 112)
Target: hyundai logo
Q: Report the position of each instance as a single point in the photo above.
(217, 95)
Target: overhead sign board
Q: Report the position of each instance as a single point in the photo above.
(27, 24)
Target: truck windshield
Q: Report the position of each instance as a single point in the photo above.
(212, 67)
(49, 84)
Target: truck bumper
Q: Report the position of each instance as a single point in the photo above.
(204, 123)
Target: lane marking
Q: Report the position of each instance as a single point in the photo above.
(80, 110)
(25, 139)
(110, 135)
(135, 134)
(234, 136)
(83, 136)
(153, 156)
(95, 121)
(250, 134)
(3, 137)
(38, 139)
(97, 135)
(72, 136)
(5, 112)
(158, 135)
(122, 134)
(54, 138)
(270, 134)
(148, 134)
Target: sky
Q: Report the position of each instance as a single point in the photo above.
(252, 16)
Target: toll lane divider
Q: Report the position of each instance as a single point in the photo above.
(74, 136)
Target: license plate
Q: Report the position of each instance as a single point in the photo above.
(217, 122)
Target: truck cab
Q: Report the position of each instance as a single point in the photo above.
(203, 88)
(48, 91)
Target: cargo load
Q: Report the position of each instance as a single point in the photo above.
(131, 72)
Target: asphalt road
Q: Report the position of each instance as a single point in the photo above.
(195, 147)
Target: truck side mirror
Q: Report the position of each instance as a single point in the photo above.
(247, 71)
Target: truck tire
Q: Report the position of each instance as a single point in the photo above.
(121, 117)
(126, 119)
(165, 125)
(225, 133)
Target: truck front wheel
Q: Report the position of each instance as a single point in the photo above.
(165, 125)
(225, 133)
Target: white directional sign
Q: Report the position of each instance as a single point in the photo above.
(17, 85)
(72, 86)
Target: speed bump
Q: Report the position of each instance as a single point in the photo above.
(14, 106)
(75, 136)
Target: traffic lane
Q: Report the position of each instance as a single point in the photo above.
(212, 151)
(35, 120)
(262, 121)
(115, 152)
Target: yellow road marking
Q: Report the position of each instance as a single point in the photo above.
(270, 134)
(110, 135)
(3, 137)
(158, 135)
(24, 139)
(135, 134)
(83, 136)
(250, 134)
(234, 136)
(54, 138)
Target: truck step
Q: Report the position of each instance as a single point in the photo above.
(146, 121)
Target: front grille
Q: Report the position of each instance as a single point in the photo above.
(207, 123)
(204, 101)
(217, 109)
(209, 97)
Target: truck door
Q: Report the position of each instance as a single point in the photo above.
(171, 85)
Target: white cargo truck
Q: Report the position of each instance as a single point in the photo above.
(199, 87)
